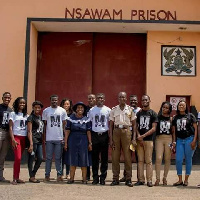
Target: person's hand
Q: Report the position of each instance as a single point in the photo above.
(65, 147)
(134, 143)
(30, 149)
(14, 143)
(140, 138)
(141, 143)
(193, 145)
(90, 147)
(112, 145)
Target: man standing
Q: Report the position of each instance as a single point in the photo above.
(99, 115)
(122, 121)
(4, 134)
(91, 103)
(133, 104)
(54, 121)
(146, 125)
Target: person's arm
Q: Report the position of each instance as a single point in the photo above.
(29, 127)
(198, 134)
(67, 132)
(112, 145)
(89, 140)
(193, 143)
(150, 132)
(14, 143)
(44, 133)
(134, 129)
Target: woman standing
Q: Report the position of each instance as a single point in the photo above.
(78, 141)
(18, 133)
(35, 135)
(163, 140)
(184, 128)
(67, 105)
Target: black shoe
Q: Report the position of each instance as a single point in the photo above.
(114, 183)
(123, 179)
(102, 182)
(95, 181)
(178, 183)
(149, 184)
(139, 183)
(129, 183)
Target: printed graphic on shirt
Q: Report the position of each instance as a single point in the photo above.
(100, 120)
(181, 124)
(5, 117)
(41, 127)
(164, 127)
(22, 124)
(55, 120)
(144, 122)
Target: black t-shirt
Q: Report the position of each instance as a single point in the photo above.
(164, 126)
(37, 128)
(4, 116)
(184, 125)
(145, 119)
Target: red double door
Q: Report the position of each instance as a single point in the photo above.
(74, 65)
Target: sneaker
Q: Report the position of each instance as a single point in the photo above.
(114, 183)
(139, 183)
(149, 184)
(123, 179)
(14, 182)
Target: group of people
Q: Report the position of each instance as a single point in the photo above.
(80, 135)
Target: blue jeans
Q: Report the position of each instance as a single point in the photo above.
(184, 150)
(37, 148)
(56, 148)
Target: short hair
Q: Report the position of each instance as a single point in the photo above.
(133, 95)
(145, 95)
(37, 103)
(6, 93)
(186, 109)
(92, 95)
(100, 94)
(53, 95)
(122, 92)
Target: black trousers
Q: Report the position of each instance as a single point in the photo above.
(100, 152)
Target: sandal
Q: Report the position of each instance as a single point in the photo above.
(157, 183)
(34, 180)
(20, 181)
(14, 182)
(164, 181)
(178, 183)
(185, 183)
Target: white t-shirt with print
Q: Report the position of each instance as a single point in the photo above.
(54, 118)
(19, 123)
(100, 118)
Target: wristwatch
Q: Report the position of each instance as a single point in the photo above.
(90, 143)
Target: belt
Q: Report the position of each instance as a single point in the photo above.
(99, 133)
(123, 127)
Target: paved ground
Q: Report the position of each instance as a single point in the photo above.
(75, 191)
